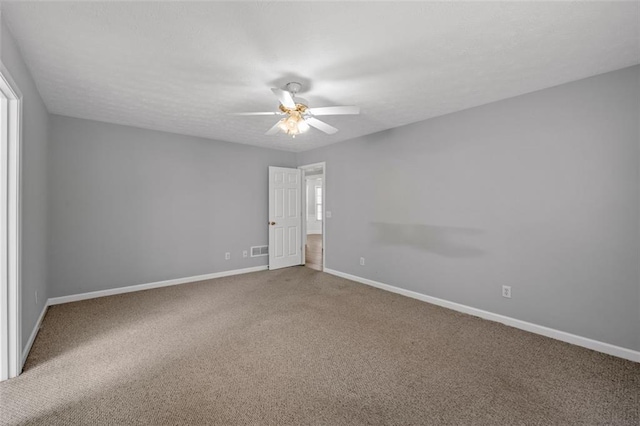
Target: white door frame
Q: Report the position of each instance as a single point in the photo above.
(10, 281)
(303, 199)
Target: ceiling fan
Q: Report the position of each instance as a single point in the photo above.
(298, 117)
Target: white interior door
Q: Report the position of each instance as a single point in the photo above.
(285, 219)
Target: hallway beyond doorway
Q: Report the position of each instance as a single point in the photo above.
(313, 258)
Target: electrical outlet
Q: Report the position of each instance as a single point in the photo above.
(362, 261)
(327, 214)
(36, 297)
(245, 253)
(227, 256)
(506, 291)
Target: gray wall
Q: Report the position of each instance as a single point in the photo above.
(539, 192)
(133, 206)
(35, 128)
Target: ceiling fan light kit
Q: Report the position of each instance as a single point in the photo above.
(299, 118)
(293, 125)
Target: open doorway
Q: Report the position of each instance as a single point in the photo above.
(313, 218)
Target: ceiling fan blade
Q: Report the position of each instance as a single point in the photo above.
(321, 125)
(335, 110)
(272, 131)
(285, 98)
(255, 113)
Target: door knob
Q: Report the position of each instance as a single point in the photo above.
(272, 223)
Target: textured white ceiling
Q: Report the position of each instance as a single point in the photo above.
(181, 67)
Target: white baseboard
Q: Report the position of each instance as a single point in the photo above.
(158, 284)
(522, 325)
(32, 337)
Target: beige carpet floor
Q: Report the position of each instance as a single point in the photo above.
(297, 346)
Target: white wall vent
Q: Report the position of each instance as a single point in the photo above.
(259, 251)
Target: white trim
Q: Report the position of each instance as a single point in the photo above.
(522, 325)
(305, 215)
(313, 166)
(34, 333)
(148, 286)
(10, 223)
(324, 214)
